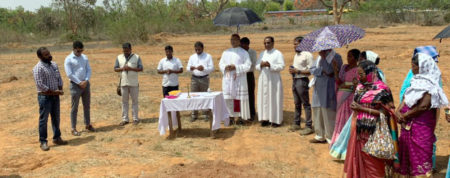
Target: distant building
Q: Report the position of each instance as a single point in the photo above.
(296, 13)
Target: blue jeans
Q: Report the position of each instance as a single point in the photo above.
(48, 105)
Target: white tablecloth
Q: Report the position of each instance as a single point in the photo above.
(198, 101)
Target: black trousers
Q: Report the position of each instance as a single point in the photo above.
(168, 89)
(251, 93)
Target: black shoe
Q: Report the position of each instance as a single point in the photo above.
(240, 122)
(44, 146)
(275, 125)
(232, 121)
(90, 128)
(265, 123)
(135, 122)
(59, 141)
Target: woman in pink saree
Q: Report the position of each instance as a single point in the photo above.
(417, 116)
(346, 80)
(370, 97)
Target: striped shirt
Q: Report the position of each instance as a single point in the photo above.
(47, 77)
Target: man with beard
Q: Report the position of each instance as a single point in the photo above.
(49, 86)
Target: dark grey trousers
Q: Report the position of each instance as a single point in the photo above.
(300, 90)
(85, 94)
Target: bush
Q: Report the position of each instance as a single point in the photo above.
(69, 36)
(433, 19)
(288, 5)
(291, 21)
(272, 6)
(447, 17)
(10, 36)
(257, 6)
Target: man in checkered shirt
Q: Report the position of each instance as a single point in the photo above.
(49, 86)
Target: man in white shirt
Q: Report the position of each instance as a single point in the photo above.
(129, 64)
(270, 86)
(169, 67)
(303, 60)
(234, 65)
(245, 43)
(200, 65)
(79, 72)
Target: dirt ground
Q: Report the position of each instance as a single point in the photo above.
(132, 151)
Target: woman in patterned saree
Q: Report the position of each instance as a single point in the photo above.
(417, 116)
(371, 97)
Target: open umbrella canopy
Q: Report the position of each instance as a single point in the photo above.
(444, 33)
(330, 37)
(236, 16)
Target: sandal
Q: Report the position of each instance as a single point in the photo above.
(123, 123)
(75, 132)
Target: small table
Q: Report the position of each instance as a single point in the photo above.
(197, 101)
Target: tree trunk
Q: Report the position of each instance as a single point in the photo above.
(337, 18)
(337, 13)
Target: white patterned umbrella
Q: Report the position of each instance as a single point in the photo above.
(330, 37)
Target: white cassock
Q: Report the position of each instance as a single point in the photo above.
(270, 88)
(234, 83)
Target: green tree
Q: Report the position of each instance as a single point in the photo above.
(272, 6)
(77, 13)
(257, 6)
(288, 5)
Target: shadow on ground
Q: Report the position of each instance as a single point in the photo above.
(81, 140)
(441, 166)
(222, 133)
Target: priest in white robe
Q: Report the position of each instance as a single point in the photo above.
(234, 65)
(270, 87)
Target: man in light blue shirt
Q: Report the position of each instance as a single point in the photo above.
(79, 72)
(324, 95)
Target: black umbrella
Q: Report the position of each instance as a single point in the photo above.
(443, 34)
(236, 16)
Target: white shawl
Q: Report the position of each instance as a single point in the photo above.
(426, 81)
(371, 56)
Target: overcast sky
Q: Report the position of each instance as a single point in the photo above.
(31, 5)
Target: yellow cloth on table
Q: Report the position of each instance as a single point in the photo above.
(175, 93)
